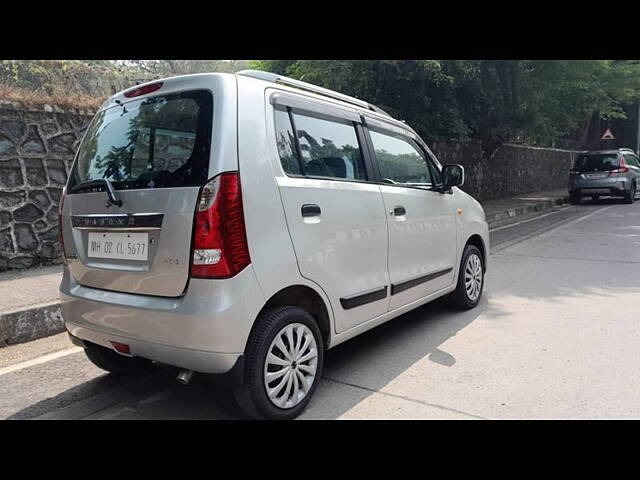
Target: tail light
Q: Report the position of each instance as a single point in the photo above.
(220, 248)
(622, 167)
(61, 223)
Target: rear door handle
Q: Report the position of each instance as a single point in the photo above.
(399, 210)
(311, 210)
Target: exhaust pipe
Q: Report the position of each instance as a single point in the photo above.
(185, 376)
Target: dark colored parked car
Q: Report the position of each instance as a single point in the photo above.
(605, 173)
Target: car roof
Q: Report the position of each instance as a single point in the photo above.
(602, 152)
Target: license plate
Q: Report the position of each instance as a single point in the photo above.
(119, 246)
(596, 175)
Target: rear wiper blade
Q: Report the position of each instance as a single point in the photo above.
(113, 200)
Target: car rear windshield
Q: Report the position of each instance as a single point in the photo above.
(157, 142)
(601, 162)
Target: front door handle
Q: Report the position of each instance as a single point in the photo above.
(311, 210)
(399, 210)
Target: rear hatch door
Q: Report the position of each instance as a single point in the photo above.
(596, 166)
(154, 152)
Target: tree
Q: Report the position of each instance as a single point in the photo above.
(494, 101)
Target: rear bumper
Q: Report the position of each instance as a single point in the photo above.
(205, 331)
(196, 360)
(606, 186)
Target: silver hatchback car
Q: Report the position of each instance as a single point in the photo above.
(605, 173)
(243, 224)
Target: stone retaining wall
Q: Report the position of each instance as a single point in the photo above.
(514, 169)
(36, 151)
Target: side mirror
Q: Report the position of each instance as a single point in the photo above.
(452, 176)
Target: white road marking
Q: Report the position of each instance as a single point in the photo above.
(577, 220)
(39, 360)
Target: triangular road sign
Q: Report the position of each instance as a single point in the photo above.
(608, 135)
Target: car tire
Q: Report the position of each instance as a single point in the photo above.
(113, 362)
(631, 195)
(262, 398)
(574, 199)
(466, 295)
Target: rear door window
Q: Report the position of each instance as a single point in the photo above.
(328, 148)
(157, 142)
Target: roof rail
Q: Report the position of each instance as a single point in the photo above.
(275, 78)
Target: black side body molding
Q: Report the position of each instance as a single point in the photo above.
(363, 298)
(401, 287)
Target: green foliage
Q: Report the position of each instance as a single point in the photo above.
(494, 101)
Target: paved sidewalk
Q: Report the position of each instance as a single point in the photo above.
(29, 305)
(30, 309)
(24, 288)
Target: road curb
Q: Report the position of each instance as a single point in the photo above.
(22, 326)
(497, 218)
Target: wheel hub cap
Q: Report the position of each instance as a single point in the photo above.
(290, 366)
(473, 277)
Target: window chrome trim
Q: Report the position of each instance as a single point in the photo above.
(302, 105)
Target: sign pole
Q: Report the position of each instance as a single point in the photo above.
(638, 135)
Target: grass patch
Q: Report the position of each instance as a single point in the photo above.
(39, 98)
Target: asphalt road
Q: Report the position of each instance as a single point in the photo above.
(555, 336)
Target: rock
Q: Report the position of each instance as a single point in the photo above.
(80, 122)
(12, 128)
(54, 194)
(51, 250)
(36, 174)
(6, 242)
(66, 122)
(49, 129)
(6, 146)
(11, 174)
(33, 145)
(12, 199)
(62, 144)
(40, 225)
(5, 218)
(25, 238)
(57, 171)
(47, 107)
(40, 197)
(52, 216)
(28, 213)
(51, 234)
(21, 262)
